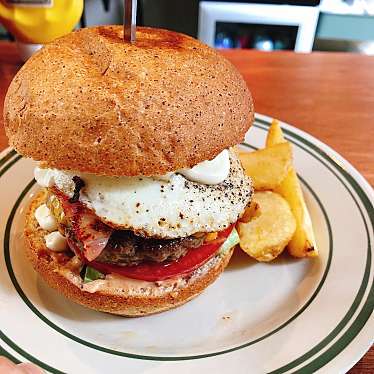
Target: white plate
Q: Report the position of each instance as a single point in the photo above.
(286, 316)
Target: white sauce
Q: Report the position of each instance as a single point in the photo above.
(45, 218)
(209, 172)
(44, 177)
(56, 242)
(119, 285)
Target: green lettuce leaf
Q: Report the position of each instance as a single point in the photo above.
(92, 274)
(231, 241)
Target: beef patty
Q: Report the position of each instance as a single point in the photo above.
(125, 248)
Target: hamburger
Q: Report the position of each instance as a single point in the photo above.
(140, 186)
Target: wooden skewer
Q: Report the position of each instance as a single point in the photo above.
(129, 21)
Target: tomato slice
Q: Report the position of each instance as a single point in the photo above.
(153, 271)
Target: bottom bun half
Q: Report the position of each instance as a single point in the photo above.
(115, 294)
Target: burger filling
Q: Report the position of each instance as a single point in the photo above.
(149, 228)
(125, 248)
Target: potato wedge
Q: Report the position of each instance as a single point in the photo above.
(275, 134)
(268, 167)
(264, 237)
(303, 243)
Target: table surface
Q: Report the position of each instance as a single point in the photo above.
(329, 95)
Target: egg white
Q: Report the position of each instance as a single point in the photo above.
(170, 208)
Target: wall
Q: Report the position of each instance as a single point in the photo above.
(178, 15)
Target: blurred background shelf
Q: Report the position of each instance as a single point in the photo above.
(345, 32)
(339, 26)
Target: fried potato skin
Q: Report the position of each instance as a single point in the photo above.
(265, 236)
(268, 167)
(303, 243)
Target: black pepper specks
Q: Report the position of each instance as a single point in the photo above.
(202, 208)
(162, 221)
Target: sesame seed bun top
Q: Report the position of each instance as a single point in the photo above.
(93, 103)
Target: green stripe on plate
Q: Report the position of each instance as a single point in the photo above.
(9, 165)
(345, 340)
(7, 340)
(367, 309)
(7, 157)
(6, 354)
(27, 356)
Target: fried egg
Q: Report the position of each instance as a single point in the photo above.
(164, 208)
